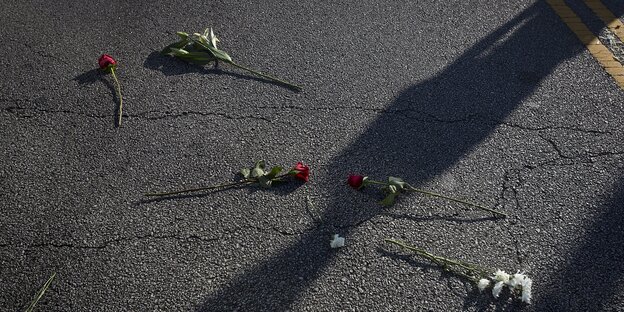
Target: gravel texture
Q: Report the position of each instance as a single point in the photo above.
(492, 101)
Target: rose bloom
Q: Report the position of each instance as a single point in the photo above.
(304, 171)
(106, 60)
(355, 181)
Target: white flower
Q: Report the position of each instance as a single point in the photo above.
(501, 276)
(483, 283)
(497, 288)
(517, 280)
(337, 241)
(526, 290)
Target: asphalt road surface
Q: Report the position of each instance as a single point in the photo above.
(496, 102)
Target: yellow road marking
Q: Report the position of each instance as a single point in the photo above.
(613, 23)
(593, 44)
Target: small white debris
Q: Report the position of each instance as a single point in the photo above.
(337, 241)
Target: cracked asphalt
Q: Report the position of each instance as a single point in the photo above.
(491, 101)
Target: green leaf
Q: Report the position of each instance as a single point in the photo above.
(178, 51)
(40, 293)
(195, 58)
(182, 35)
(245, 172)
(199, 55)
(203, 39)
(176, 45)
(274, 172)
(222, 55)
(260, 164)
(396, 182)
(257, 172)
(213, 39)
(392, 189)
(389, 200)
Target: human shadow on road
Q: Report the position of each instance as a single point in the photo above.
(592, 274)
(171, 66)
(426, 130)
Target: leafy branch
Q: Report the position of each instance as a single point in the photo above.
(202, 49)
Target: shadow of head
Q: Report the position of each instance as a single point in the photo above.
(89, 77)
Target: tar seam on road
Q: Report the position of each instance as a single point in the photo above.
(600, 52)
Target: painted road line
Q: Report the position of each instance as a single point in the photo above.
(605, 58)
(613, 23)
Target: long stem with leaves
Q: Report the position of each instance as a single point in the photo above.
(246, 181)
(202, 49)
(254, 175)
(469, 271)
(401, 185)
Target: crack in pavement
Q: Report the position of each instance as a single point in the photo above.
(406, 113)
(106, 244)
(556, 148)
(15, 110)
(435, 118)
(582, 157)
(507, 186)
(546, 128)
(511, 181)
(401, 112)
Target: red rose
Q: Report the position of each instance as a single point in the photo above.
(106, 60)
(301, 171)
(355, 181)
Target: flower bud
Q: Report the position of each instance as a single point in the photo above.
(355, 181)
(301, 172)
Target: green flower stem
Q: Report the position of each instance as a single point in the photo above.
(205, 188)
(375, 182)
(212, 187)
(445, 263)
(40, 293)
(413, 189)
(264, 75)
(118, 93)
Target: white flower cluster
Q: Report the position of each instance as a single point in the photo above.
(518, 281)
